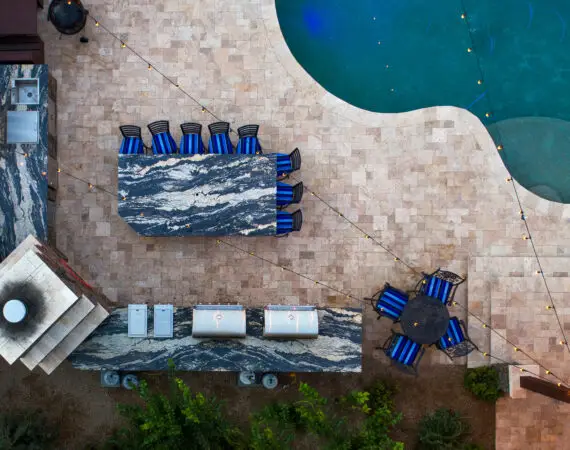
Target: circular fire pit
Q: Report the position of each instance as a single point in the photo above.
(14, 311)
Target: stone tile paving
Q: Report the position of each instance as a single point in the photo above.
(428, 183)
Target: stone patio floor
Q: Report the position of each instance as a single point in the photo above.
(429, 184)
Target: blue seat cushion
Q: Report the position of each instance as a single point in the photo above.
(453, 336)
(220, 144)
(163, 144)
(284, 222)
(391, 303)
(284, 194)
(438, 288)
(248, 145)
(191, 144)
(132, 146)
(283, 164)
(403, 350)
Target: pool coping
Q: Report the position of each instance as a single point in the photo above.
(464, 121)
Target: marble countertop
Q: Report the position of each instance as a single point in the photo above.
(337, 349)
(198, 195)
(23, 187)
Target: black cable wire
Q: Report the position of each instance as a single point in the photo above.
(465, 17)
(518, 366)
(153, 67)
(319, 283)
(365, 234)
(362, 300)
(508, 341)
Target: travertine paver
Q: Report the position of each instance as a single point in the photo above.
(427, 183)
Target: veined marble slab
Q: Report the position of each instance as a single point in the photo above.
(337, 349)
(198, 195)
(23, 188)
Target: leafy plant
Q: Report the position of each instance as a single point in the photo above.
(314, 415)
(282, 417)
(25, 431)
(382, 394)
(442, 430)
(374, 433)
(484, 383)
(182, 420)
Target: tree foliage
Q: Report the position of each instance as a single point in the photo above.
(484, 383)
(443, 429)
(181, 420)
(313, 415)
(25, 431)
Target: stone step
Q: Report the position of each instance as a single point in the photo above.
(57, 332)
(73, 339)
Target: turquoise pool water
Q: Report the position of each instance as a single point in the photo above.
(399, 55)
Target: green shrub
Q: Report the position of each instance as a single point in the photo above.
(382, 395)
(181, 421)
(483, 382)
(276, 426)
(442, 430)
(25, 431)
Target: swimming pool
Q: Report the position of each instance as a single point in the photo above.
(399, 55)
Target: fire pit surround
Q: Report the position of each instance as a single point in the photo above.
(46, 309)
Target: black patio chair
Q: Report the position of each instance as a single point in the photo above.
(404, 353)
(288, 222)
(191, 142)
(286, 164)
(248, 143)
(159, 126)
(389, 302)
(162, 141)
(220, 142)
(440, 284)
(132, 143)
(456, 343)
(287, 194)
(248, 131)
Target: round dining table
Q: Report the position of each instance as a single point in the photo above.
(424, 319)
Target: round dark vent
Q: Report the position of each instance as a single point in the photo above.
(67, 16)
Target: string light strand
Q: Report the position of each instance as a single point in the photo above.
(363, 232)
(151, 66)
(465, 17)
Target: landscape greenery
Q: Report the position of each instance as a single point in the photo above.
(186, 420)
(182, 419)
(484, 383)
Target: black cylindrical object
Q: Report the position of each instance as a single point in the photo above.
(67, 16)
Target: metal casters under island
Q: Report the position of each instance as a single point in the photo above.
(269, 381)
(110, 378)
(130, 381)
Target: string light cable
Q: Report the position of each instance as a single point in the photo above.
(364, 301)
(500, 147)
(366, 235)
(362, 231)
(150, 66)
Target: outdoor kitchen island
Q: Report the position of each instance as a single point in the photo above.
(198, 195)
(23, 154)
(337, 348)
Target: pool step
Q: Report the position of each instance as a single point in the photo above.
(73, 339)
(57, 332)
